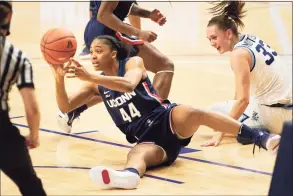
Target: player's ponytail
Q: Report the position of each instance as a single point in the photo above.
(228, 15)
(120, 47)
(122, 52)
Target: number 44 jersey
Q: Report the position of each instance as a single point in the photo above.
(270, 77)
(133, 111)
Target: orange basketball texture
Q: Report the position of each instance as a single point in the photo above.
(58, 45)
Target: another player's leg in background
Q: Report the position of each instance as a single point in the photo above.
(66, 120)
(161, 65)
(274, 117)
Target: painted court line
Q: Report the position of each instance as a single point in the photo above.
(87, 168)
(84, 132)
(125, 146)
(78, 133)
(100, 141)
(183, 150)
(17, 117)
(225, 165)
(77, 136)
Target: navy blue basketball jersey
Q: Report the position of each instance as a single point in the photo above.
(129, 110)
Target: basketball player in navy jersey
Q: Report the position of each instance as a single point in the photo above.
(107, 19)
(159, 128)
(262, 80)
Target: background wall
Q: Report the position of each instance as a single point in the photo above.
(183, 34)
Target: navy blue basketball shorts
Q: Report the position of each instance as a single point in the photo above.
(157, 129)
(94, 29)
(131, 42)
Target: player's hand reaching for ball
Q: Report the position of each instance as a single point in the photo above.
(60, 70)
(76, 70)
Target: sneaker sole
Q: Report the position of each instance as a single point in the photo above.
(108, 178)
(273, 144)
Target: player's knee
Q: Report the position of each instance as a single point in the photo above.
(169, 65)
(166, 65)
(244, 141)
(136, 154)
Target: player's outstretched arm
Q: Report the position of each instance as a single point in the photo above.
(135, 71)
(65, 103)
(154, 15)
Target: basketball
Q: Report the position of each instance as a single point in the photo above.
(58, 45)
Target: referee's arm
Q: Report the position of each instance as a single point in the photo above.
(25, 85)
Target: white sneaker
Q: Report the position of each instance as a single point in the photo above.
(62, 121)
(273, 143)
(108, 178)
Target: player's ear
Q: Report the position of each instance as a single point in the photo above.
(229, 33)
(114, 54)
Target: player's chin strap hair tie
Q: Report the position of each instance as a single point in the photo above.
(165, 71)
(230, 18)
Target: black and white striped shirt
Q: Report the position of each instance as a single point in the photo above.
(14, 68)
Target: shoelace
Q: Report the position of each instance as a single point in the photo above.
(257, 142)
(73, 117)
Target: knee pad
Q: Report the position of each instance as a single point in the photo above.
(165, 71)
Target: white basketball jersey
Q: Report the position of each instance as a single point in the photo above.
(249, 117)
(270, 78)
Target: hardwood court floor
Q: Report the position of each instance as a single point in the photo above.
(63, 160)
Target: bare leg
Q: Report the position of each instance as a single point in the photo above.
(143, 156)
(65, 121)
(159, 64)
(186, 120)
(139, 159)
(162, 83)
